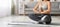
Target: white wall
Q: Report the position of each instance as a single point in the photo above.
(5, 8)
(58, 0)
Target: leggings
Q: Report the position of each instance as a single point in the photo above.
(37, 17)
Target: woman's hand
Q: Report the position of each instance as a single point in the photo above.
(37, 12)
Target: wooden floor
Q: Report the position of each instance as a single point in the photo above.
(17, 19)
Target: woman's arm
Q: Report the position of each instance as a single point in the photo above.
(35, 8)
(48, 10)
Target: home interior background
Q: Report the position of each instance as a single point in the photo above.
(23, 7)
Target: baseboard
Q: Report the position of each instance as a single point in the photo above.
(51, 14)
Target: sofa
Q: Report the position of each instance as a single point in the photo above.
(55, 7)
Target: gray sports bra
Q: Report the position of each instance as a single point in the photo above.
(43, 6)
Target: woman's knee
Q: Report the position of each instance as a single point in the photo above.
(31, 15)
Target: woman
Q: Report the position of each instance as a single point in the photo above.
(42, 9)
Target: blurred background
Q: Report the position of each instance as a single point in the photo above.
(25, 7)
(13, 12)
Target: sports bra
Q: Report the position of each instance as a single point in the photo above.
(43, 6)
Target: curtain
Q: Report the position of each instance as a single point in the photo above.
(5, 8)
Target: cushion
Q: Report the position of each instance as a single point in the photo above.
(30, 5)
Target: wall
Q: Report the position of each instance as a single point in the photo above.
(58, 0)
(5, 8)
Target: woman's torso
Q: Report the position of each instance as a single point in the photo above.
(43, 6)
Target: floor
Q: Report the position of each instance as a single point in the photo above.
(9, 20)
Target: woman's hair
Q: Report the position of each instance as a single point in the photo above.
(47, 0)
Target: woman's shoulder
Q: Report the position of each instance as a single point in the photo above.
(48, 2)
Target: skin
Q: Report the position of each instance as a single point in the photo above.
(42, 11)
